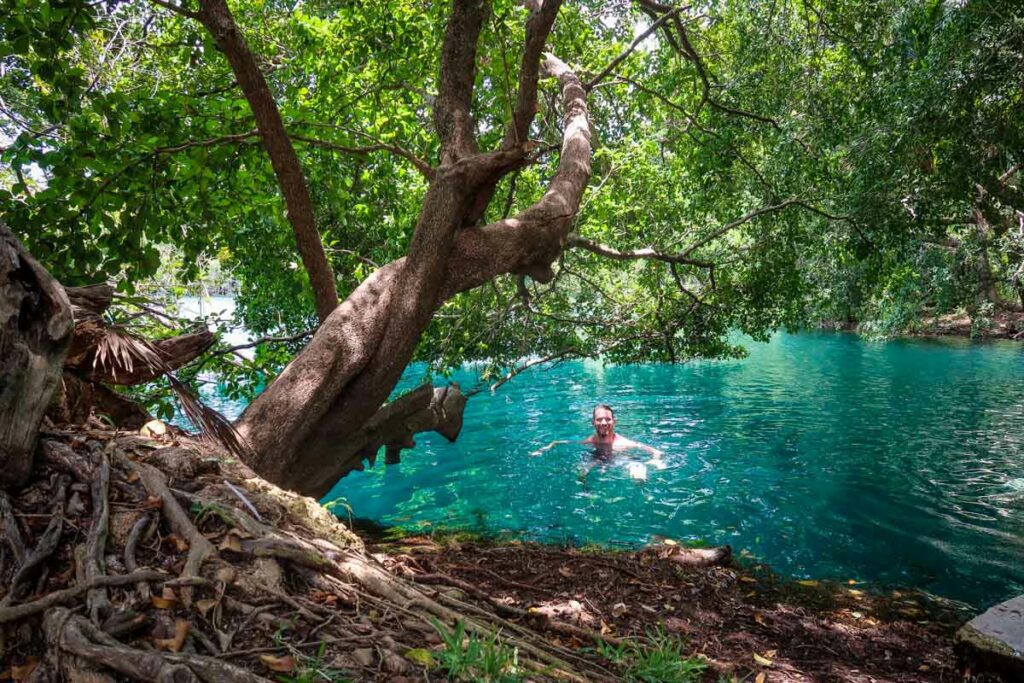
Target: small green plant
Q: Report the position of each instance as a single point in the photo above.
(343, 504)
(313, 669)
(658, 659)
(477, 658)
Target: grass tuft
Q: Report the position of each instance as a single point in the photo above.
(659, 658)
(477, 658)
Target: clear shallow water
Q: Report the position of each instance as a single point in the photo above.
(896, 463)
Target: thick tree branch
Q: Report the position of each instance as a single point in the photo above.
(538, 27)
(531, 241)
(218, 20)
(452, 111)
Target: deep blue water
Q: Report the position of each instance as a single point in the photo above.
(895, 463)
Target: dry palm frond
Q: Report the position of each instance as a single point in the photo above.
(208, 421)
(119, 350)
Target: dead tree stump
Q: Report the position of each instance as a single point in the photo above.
(35, 330)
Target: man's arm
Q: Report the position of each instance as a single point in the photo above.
(551, 445)
(626, 442)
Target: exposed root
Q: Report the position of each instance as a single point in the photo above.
(96, 544)
(199, 548)
(47, 544)
(140, 528)
(79, 637)
(12, 533)
(15, 612)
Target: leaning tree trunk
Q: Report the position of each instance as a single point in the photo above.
(35, 330)
(301, 429)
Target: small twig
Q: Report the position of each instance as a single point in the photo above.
(13, 613)
(245, 500)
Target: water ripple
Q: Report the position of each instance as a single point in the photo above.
(822, 455)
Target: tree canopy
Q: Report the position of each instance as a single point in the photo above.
(755, 165)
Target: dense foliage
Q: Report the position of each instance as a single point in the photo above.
(805, 160)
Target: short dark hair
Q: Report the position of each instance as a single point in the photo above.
(598, 407)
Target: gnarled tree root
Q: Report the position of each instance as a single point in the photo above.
(67, 632)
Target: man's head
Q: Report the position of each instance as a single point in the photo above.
(604, 421)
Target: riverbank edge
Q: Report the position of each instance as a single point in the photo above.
(1001, 324)
(284, 590)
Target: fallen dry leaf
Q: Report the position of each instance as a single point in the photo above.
(759, 618)
(180, 544)
(619, 608)
(763, 661)
(152, 503)
(282, 664)
(231, 542)
(761, 677)
(177, 642)
(565, 571)
(204, 606)
(22, 672)
(808, 582)
(605, 628)
(166, 601)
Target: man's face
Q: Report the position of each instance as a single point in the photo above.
(604, 422)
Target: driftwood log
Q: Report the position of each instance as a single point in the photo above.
(35, 331)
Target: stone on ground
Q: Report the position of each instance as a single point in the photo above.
(992, 644)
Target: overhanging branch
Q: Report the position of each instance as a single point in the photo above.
(538, 27)
(632, 46)
(218, 20)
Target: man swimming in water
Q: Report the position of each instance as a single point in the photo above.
(606, 441)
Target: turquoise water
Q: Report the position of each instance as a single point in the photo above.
(825, 456)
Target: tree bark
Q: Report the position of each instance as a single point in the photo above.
(317, 407)
(35, 330)
(218, 20)
(77, 398)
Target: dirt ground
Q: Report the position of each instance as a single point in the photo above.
(742, 618)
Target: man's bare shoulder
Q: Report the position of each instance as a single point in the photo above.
(624, 442)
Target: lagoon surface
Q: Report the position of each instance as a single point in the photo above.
(897, 463)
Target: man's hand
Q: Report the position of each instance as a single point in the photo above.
(656, 460)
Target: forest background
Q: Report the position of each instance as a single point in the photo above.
(755, 166)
